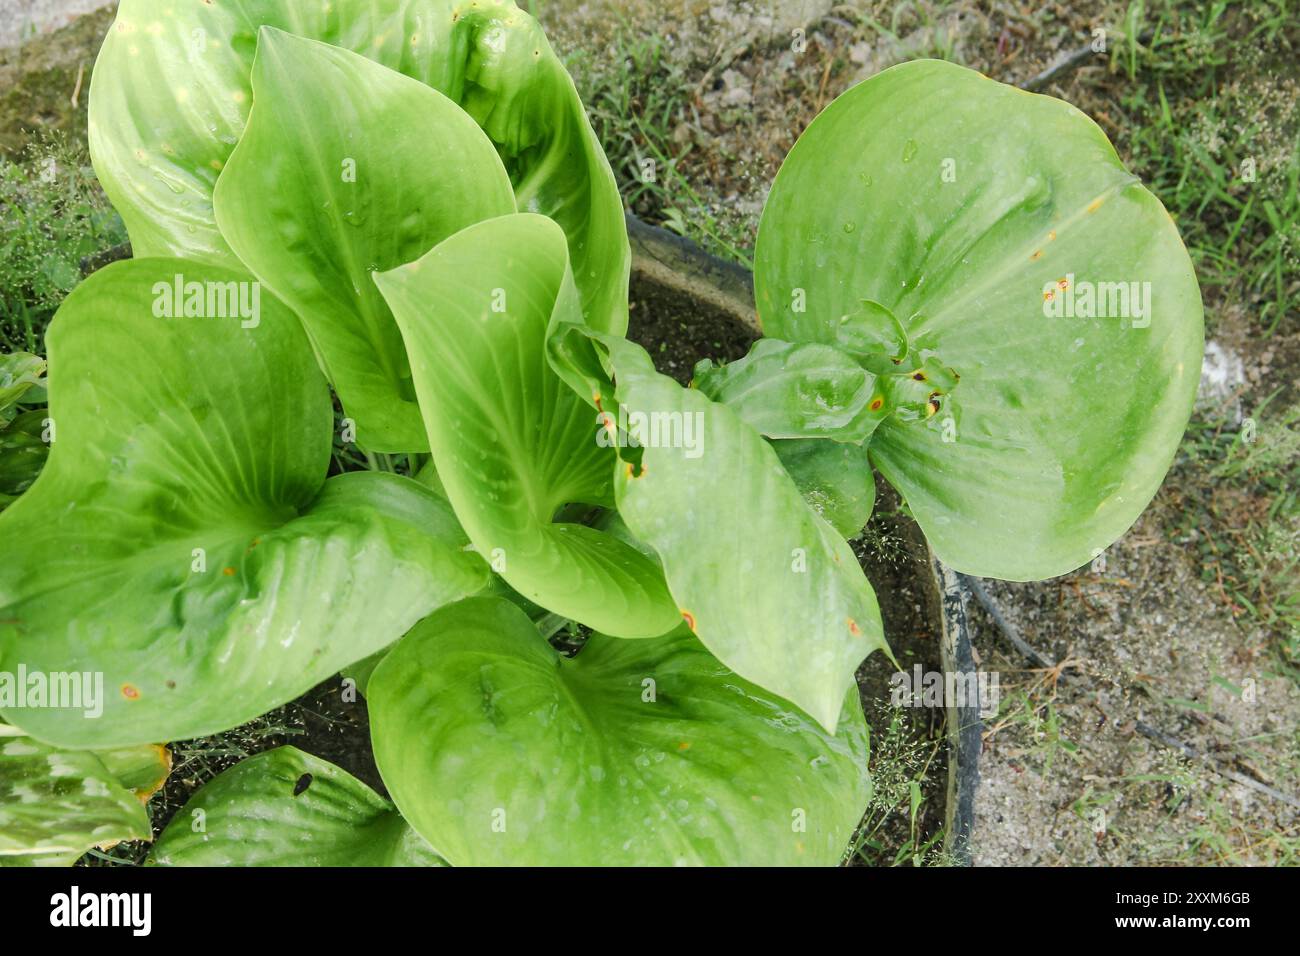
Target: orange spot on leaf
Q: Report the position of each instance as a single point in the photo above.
(129, 692)
(853, 628)
(689, 618)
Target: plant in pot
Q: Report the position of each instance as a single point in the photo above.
(391, 225)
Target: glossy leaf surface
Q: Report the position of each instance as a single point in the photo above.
(501, 752)
(56, 804)
(170, 95)
(284, 807)
(1005, 234)
(512, 443)
(182, 541)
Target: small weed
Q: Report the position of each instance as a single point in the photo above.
(899, 829)
(642, 105)
(52, 213)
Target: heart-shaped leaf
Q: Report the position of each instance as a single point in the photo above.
(319, 194)
(500, 751)
(284, 807)
(512, 443)
(170, 94)
(57, 804)
(1005, 233)
(181, 546)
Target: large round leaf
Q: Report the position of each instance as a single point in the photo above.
(965, 220)
(56, 804)
(182, 543)
(499, 751)
(170, 94)
(289, 808)
(512, 442)
(320, 193)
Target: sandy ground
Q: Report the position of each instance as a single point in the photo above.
(21, 19)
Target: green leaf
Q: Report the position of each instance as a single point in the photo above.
(806, 390)
(284, 807)
(500, 751)
(834, 478)
(320, 194)
(170, 94)
(22, 453)
(962, 218)
(19, 372)
(182, 543)
(767, 585)
(142, 769)
(875, 336)
(512, 443)
(57, 804)
(359, 672)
